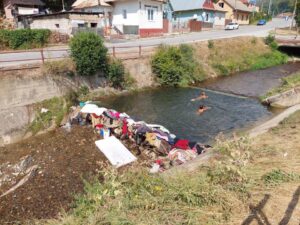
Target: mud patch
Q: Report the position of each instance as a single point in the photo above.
(64, 160)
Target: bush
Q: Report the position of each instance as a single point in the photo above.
(116, 73)
(176, 66)
(24, 38)
(271, 42)
(89, 53)
(210, 44)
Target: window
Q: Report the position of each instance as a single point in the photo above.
(94, 25)
(124, 14)
(221, 4)
(150, 11)
(57, 25)
(242, 17)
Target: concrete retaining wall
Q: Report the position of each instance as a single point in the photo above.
(286, 99)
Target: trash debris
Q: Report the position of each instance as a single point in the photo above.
(44, 110)
(153, 140)
(115, 151)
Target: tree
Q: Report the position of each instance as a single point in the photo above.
(89, 53)
(56, 5)
(297, 17)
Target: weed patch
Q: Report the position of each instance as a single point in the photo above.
(278, 176)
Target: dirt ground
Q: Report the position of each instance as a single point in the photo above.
(64, 160)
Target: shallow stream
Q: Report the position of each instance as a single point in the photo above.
(172, 108)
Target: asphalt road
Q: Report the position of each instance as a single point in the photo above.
(128, 45)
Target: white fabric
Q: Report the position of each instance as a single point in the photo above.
(99, 111)
(115, 151)
(88, 108)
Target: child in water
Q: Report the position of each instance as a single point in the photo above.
(202, 109)
(200, 97)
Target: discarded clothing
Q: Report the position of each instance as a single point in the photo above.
(182, 144)
(179, 156)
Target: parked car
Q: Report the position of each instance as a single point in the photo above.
(232, 26)
(261, 22)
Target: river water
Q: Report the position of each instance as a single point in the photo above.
(172, 108)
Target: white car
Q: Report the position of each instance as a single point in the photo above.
(232, 26)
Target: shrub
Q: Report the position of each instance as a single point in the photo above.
(210, 44)
(24, 38)
(176, 66)
(89, 53)
(270, 41)
(116, 73)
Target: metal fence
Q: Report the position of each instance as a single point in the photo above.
(10, 59)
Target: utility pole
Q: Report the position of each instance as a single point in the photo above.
(63, 5)
(294, 14)
(270, 5)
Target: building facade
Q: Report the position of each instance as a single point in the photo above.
(13, 8)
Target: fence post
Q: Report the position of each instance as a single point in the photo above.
(114, 51)
(42, 54)
(140, 51)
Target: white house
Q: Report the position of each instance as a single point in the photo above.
(140, 17)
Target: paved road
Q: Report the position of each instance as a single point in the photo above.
(251, 30)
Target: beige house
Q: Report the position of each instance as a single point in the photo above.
(236, 11)
(64, 22)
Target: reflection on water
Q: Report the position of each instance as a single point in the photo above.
(172, 108)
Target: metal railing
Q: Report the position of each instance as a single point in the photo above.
(40, 56)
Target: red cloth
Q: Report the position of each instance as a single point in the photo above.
(182, 144)
(99, 126)
(124, 127)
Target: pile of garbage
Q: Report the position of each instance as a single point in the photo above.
(114, 127)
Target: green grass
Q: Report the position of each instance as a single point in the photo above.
(57, 109)
(277, 176)
(247, 61)
(288, 83)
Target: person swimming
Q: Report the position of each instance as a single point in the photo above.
(202, 109)
(200, 97)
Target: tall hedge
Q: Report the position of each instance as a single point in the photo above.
(89, 53)
(23, 38)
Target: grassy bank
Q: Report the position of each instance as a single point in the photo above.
(171, 65)
(219, 192)
(288, 83)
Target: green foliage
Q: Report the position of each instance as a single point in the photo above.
(256, 16)
(210, 44)
(57, 107)
(23, 38)
(278, 176)
(288, 83)
(270, 41)
(116, 73)
(176, 66)
(89, 53)
(269, 59)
